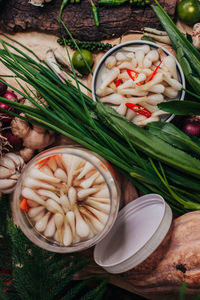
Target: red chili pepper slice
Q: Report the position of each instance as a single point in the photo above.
(118, 82)
(139, 109)
(154, 72)
(132, 74)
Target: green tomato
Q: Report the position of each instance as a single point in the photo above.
(189, 11)
(79, 63)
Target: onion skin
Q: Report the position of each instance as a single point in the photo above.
(192, 126)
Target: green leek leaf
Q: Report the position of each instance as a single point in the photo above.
(174, 136)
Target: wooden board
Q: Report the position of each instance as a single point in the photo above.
(19, 15)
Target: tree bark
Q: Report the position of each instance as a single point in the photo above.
(19, 15)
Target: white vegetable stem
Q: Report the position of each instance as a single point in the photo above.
(82, 228)
(59, 220)
(50, 228)
(41, 224)
(31, 195)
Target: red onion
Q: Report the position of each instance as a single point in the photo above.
(13, 140)
(192, 126)
(10, 95)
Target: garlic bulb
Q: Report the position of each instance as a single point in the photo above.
(196, 36)
(68, 199)
(11, 166)
(39, 2)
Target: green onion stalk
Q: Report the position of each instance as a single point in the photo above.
(149, 161)
(187, 55)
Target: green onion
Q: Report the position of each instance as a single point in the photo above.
(151, 163)
(187, 55)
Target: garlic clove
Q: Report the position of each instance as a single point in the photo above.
(53, 206)
(93, 220)
(67, 235)
(99, 199)
(139, 55)
(46, 170)
(39, 216)
(98, 205)
(103, 192)
(92, 228)
(64, 201)
(67, 161)
(52, 163)
(58, 159)
(21, 161)
(14, 176)
(51, 228)
(33, 183)
(7, 183)
(41, 224)
(101, 216)
(30, 194)
(89, 174)
(82, 228)
(59, 173)
(82, 194)
(72, 196)
(110, 62)
(99, 180)
(76, 162)
(76, 239)
(56, 238)
(5, 172)
(88, 167)
(76, 182)
(59, 220)
(85, 184)
(71, 220)
(33, 212)
(7, 163)
(48, 194)
(15, 158)
(32, 203)
(37, 174)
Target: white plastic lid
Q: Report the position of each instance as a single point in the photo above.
(139, 229)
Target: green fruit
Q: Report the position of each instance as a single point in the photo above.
(79, 63)
(189, 11)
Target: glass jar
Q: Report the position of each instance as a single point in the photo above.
(111, 181)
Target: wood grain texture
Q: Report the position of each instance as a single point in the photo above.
(160, 276)
(19, 15)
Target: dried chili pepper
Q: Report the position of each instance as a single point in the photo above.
(24, 204)
(118, 82)
(154, 72)
(139, 109)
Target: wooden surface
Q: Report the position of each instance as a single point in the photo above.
(132, 281)
(19, 15)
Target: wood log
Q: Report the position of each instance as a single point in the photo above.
(20, 16)
(160, 276)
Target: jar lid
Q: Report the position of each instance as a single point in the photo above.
(139, 229)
